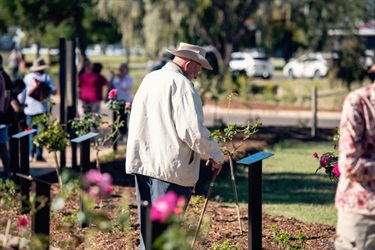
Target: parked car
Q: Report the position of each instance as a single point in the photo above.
(242, 61)
(254, 64)
(263, 66)
(312, 65)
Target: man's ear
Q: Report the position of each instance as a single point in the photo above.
(187, 64)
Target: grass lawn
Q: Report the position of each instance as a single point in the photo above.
(290, 186)
(292, 189)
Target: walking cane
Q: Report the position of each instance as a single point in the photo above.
(205, 203)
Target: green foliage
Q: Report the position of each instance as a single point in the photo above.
(196, 203)
(229, 133)
(93, 121)
(9, 195)
(53, 137)
(226, 245)
(349, 66)
(176, 237)
(286, 241)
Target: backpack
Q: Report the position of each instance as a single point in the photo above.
(4, 96)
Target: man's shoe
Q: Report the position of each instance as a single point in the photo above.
(40, 159)
(31, 159)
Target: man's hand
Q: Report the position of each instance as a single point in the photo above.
(215, 165)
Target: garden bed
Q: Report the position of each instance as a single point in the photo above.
(222, 225)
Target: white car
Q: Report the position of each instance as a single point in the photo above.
(263, 66)
(312, 65)
(255, 64)
(242, 61)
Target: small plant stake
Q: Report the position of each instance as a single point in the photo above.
(228, 135)
(205, 203)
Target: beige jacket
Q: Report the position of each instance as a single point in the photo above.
(166, 132)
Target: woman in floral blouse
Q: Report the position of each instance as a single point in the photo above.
(355, 195)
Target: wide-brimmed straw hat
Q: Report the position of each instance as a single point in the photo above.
(192, 52)
(38, 65)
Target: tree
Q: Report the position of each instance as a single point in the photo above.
(349, 66)
(305, 24)
(127, 15)
(49, 21)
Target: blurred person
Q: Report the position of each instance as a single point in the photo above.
(85, 67)
(13, 63)
(167, 135)
(22, 65)
(4, 138)
(15, 113)
(123, 82)
(34, 108)
(91, 85)
(355, 195)
(164, 57)
(16, 118)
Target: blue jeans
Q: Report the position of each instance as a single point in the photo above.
(150, 189)
(33, 149)
(4, 152)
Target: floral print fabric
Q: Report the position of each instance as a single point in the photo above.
(356, 187)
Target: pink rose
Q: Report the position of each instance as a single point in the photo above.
(22, 222)
(92, 177)
(112, 94)
(97, 184)
(163, 207)
(315, 155)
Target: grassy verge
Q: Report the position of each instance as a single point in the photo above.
(290, 186)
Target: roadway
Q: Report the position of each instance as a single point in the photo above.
(268, 117)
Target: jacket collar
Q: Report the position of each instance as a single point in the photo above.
(174, 67)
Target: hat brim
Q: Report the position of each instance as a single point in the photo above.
(192, 56)
(38, 68)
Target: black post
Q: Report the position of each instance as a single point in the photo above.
(84, 141)
(14, 152)
(42, 216)
(255, 198)
(62, 89)
(23, 139)
(41, 219)
(114, 146)
(73, 108)
(255, 205)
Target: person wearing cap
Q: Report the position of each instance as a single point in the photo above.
(355, 193)
(33, 107)
(166, 133)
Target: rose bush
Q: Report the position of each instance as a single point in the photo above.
(328, 161)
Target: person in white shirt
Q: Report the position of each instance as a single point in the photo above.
(123, 82)
(33, 107)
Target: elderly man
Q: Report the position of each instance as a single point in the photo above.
(166, 132)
